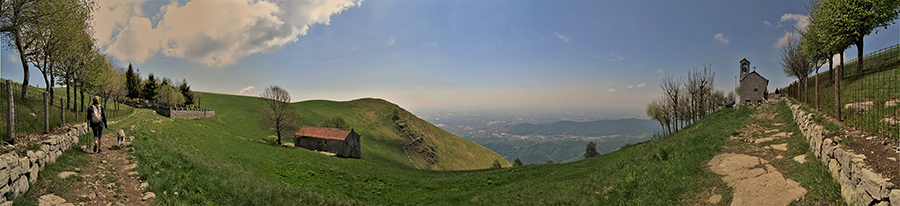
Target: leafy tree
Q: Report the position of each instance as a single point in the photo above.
(133, 82)
(185, 90)
(169, 96)
(276, 112)
(16, 17)
(590, 150)
(549, 162)
(854, 19)
(113, 81)
(334, 122)
(151, 88)
(518, 163)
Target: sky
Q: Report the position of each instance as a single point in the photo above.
(599, 56)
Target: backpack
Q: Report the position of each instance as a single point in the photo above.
(97, 117)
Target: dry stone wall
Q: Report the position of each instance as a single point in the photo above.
(18, 171)
(859, 184)
(186, 113)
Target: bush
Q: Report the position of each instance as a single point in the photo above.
(518, 163)
(334, 122)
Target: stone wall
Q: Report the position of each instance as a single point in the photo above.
(17, 172)
(859, 184)
(187, 113)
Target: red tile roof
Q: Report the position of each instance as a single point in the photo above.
(323, 133)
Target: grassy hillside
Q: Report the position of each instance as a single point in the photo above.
(219, 161)
(371, 118)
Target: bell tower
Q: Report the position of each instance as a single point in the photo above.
(745, 68)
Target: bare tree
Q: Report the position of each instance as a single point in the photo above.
(671, 89)
(796, 63)
(276, 112)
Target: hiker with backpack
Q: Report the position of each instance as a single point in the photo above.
(97, 117)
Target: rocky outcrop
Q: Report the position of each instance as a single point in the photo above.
(859, 184)
(19, 170)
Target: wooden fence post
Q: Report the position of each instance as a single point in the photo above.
(12, 111)
(46, 112)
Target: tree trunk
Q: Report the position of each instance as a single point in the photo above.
(82, 105)
(52, 79)
(68, 92)
(24, 65)
(837, 89)
(817, 89)
(11, 113)
(859, 57)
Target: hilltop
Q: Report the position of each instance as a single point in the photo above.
(382, 139)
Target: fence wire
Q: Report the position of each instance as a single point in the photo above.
(869, 96)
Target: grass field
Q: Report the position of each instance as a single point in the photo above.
(219, 161)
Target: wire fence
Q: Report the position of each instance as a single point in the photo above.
(29, 113)
(869, 97)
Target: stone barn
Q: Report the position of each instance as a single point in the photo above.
(753, 86)
(343, 143)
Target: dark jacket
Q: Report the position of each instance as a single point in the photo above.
(90, 115)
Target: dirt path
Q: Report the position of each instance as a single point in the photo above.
(745, 165)
(109, 177)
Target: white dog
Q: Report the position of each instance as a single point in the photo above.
(121, 138)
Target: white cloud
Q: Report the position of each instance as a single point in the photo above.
(12, 57)
(783, 39)
(721, 38)
(392, 40)
(800, 20)
(246, 90)
(611, 90)
(630, 86)
(561, 37)
(767, 23)
(214, 33)
(641, 85)
(615, 57)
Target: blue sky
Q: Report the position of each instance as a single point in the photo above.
(588, 55)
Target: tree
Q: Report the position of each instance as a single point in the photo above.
(151, 88)
(518, 163)
(590, 150)
(813, 44)
(17, 16)
(549, 162)
(855, 19)
(133, 82)
(168, 96)
(185, 90)
(794, 62)
(656, 112)
(672, 91)
(276, 112)
(112, 83)
(334, 122)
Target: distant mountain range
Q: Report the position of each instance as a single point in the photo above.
(587, 129)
